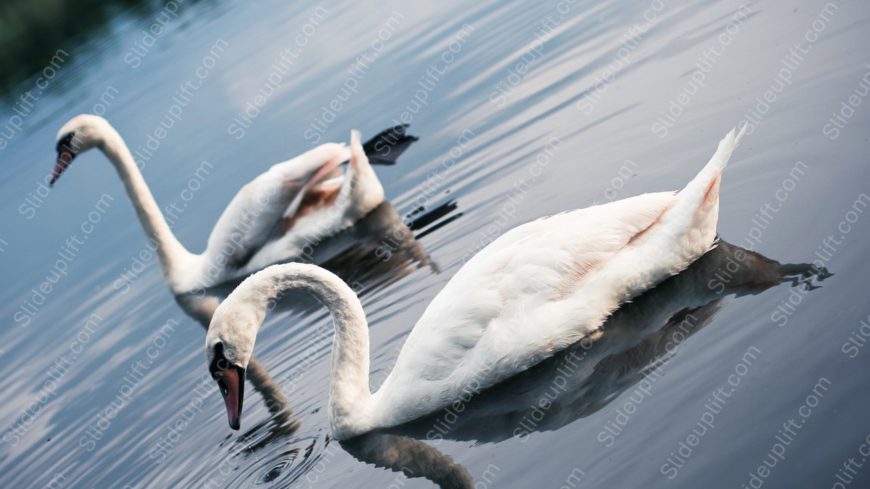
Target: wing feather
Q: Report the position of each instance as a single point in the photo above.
(258, 208)
(496, 308)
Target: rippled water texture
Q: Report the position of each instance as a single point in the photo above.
(740, 371)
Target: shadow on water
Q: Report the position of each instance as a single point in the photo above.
(631, 347)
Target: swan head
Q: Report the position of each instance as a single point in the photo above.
(229, 344)
(78, 135)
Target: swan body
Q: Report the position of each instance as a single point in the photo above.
(275, 217)
(533, 291)
(636, 340)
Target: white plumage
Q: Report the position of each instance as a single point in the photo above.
(535, 290)
(292, 206)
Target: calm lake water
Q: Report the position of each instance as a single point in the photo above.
(522, 110)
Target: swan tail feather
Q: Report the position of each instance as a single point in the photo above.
(695, 214)
(386, 146)
(357, 152)
(709, 176)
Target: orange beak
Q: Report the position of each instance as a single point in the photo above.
(232, 387)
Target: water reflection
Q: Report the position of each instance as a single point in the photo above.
(638, 340)
(377, 250)
(410, 456)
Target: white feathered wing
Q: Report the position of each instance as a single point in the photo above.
(545, 285)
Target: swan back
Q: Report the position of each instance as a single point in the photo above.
(544, 286)
(508, 307)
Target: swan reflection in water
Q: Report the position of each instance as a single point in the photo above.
(377, 250)
(634, 343)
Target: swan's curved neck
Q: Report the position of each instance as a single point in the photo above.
(350, 400)
(174, 258)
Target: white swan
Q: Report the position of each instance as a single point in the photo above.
(273, 218)
(535, 290)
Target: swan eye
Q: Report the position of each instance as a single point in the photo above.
(218, 364)
(66, 142)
